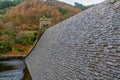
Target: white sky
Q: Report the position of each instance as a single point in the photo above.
(85, 2)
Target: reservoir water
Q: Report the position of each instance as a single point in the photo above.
(14, 69)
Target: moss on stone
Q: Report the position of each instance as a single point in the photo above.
(113, 1)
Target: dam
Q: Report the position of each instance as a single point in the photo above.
(83, 47)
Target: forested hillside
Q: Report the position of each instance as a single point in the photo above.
(5, 5)
(28, 13)
(20, 21)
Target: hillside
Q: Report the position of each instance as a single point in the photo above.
(18, 27)
(5, 5)
(28, 13)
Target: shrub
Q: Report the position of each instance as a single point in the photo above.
(63, 11)
(20, 50)
(4, 48)
(10, 32)
(27, 38)
(30, 37)
(20, 41)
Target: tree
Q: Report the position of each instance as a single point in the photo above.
(81, 6)
(63, 11)
(8, 3)
(4, 47)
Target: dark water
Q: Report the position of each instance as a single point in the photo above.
(14, 69)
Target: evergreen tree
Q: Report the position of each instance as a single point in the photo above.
(81, 6)
(8, 3)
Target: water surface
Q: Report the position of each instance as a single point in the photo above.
(14, 69)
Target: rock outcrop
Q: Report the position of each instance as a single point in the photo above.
(84, 47)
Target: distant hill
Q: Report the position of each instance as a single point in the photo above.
(81, 6)
(28, 13)
(9, 3)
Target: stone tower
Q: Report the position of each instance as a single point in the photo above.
(45, 22)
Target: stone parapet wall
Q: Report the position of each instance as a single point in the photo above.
(84, 47)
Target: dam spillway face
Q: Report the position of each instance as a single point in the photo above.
(83, 47)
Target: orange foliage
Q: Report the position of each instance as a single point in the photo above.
(30, 11)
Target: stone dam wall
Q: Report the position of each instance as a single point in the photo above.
(83, 47)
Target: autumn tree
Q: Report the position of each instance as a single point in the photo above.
(30, 11)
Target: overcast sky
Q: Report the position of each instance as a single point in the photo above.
(85, 2)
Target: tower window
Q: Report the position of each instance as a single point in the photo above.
(47, 25)
(44, 25)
